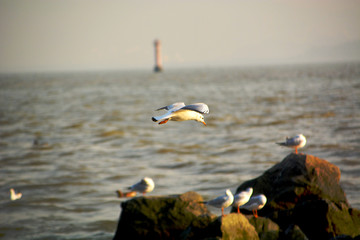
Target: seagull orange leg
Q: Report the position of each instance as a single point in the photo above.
(255, 213)
(120, 194)
(222, 212)
(238, 209)
(130, 194)
(164, 121)
(127, 194)
(296, 151)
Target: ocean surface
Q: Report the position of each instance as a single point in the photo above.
(68, 141)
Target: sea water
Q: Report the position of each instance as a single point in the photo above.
(68, 141)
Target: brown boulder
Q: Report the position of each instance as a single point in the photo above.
(232, 226)
(161, 217)
(304, 190)
(296, 179)
(179, 217)
(328, 218)
(265, 227)
(236, 226)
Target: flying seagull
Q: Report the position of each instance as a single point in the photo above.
(241, 198)
(296, 142)
(145, 185)
(255, 203)
(181, 112)
(222, 201)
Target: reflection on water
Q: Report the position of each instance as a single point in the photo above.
(68, 141)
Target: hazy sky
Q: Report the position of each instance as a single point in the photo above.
(108, 34)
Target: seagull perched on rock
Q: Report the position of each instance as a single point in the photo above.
(296, 142)
(144, 186)
(14, 196)
(222, 201)
(181, 112)
(255, 203)
(241, 198)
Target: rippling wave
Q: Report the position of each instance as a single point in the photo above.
(68, 141)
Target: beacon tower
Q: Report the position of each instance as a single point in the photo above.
(158, 61)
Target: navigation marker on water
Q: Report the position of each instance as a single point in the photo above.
(158, 60)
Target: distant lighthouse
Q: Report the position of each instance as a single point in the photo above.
(158, 61)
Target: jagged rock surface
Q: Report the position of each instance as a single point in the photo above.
(161, 217)
(304, 190)
(304, 201)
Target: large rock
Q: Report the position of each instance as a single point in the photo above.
(162, 217)
(232, 226)
(304, 190)
(236, 226)
(179, 217)
(304, 201)
(266, 228)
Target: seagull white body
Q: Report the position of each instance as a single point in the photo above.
(296, 142)
(144, 186)
(14, 196)
(181, 112)
(241, 198)
(255, 203)
(222, 201)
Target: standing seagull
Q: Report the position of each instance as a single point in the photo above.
(14, 196)
(181, 112)
(296, 142)
(144, 186)
(241, 198)
(255, 203)
(222, 201)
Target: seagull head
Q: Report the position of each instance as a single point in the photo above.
(200, 118)
(249, 190)
(228, 192)
(302, 139)
(262, 199)
(150, 183)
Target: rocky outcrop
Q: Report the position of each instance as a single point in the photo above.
(304, 201)
(231, 226)
(162, 217)
(178, 217)
(304, 190)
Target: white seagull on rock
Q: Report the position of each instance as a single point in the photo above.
(144, 186)
(181, 112)
(222, 201)
(296, 142)
(255, 203)
(241, 198)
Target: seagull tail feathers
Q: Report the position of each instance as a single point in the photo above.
(120, 194)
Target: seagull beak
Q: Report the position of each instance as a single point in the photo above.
(204, 123)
